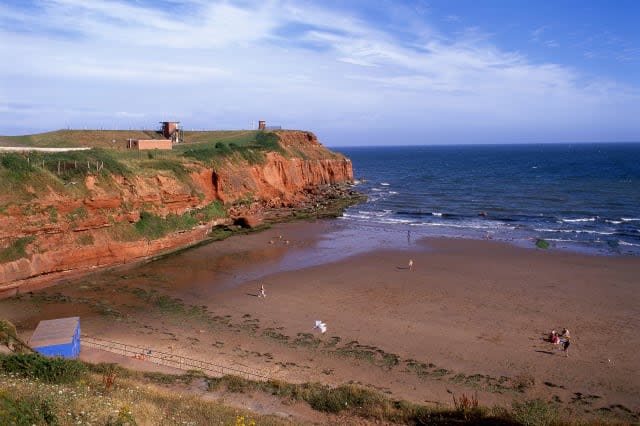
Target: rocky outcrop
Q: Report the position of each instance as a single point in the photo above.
(91, 225)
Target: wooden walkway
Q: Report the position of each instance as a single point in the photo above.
(168, 359)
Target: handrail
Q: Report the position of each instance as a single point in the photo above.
(168, 359)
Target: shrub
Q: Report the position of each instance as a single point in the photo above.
(534, 413)
(151, 226)
(51, 370)
(211, 211)
(323, 398)
(26, 411)
(17, 249)
(269, 141)
(18, 166)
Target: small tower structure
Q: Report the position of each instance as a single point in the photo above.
(171, 130)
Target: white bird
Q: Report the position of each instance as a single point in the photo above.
(320, 325)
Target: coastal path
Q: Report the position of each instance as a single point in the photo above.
(168, 359)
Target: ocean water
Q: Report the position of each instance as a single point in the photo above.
(579, 197)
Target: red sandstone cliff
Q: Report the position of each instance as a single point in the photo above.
(92, 226)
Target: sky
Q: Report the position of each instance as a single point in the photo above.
(355, 72)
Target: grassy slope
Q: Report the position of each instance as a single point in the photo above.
(57, 391)
(105, 138)
(24, 175)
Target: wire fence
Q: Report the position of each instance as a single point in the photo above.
(168, 359)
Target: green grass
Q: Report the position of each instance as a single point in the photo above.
(47, 390)
(152, 226)
(78, 138)
(251, 148)
(16, 250)
(238, 137)
(60, 168)
(50, 370)
(172, 165)
(124, 399)
(27, 410)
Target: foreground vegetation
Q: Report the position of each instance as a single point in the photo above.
(38, 390)
(41, 390)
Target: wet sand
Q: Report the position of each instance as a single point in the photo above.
(470, 316)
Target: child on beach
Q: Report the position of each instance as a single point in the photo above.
(262, 293)
(411, 264)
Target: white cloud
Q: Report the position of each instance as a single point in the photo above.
(234, 63)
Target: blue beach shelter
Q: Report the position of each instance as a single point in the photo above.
(57, 337)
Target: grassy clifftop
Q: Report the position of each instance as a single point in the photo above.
(27, 174)
(118, 138)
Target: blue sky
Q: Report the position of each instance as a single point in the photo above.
(355, 72)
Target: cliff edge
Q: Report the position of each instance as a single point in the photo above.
(72, 212)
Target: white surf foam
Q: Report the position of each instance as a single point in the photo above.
(624, 243)
(583, 219)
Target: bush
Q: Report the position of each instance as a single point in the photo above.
(26, 411)
(17, 166)
(211, 211)
(269, 142)
(534, 413)
(50, 370)
(17, 249)
(323, 398)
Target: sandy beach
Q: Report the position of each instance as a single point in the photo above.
(471, 316)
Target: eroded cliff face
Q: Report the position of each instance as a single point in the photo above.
(92, 225)
(282, 180)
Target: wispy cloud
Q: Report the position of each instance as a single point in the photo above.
(306, 66)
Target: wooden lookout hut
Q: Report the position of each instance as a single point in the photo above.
(57, 337)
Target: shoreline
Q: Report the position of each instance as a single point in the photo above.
(475, 310)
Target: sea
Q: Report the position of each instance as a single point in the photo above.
(582, 197)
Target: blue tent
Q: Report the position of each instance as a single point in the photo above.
(58, 337)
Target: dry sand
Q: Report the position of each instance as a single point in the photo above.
(471, 316)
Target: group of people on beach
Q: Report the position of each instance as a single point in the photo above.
(561, 339)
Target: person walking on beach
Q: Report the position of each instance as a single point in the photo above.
(262, 293)
(411, 264)
(565, 346)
